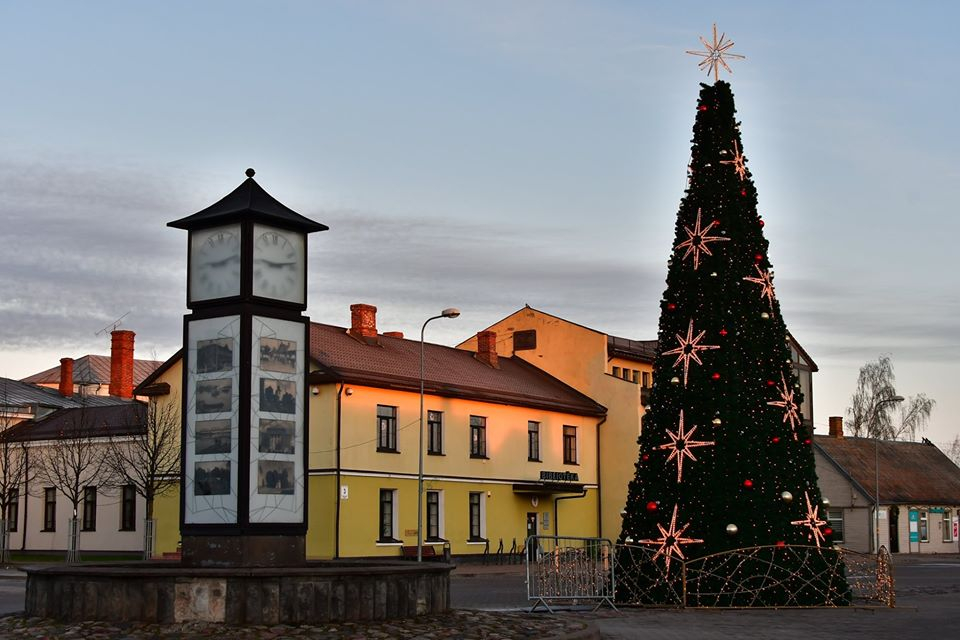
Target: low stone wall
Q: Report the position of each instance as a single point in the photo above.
(168, 592)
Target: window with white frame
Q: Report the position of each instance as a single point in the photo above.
(388, 516)
(924, 531)
(89, 509)
(434, 516)
(49, 509)
(478, 516)
(835, 522)
(128, 508)
(947, 523)
(13, 509)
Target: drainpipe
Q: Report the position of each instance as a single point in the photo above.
(556, 523)
(336, 533)
(599, 492)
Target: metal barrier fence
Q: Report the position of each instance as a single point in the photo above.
(574, 570)
(569, 569)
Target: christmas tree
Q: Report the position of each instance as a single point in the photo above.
(725, 462)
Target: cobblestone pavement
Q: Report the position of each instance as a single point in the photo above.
(469, 625)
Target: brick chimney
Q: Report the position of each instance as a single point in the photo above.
(66, 377)
(363, 321)
(394, 334)
(487, 348)
(836, 427)
(121, 363)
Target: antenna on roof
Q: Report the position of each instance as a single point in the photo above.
(113, 325)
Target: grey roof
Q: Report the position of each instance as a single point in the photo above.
(88, 421)
(93, 369)
(14, 393)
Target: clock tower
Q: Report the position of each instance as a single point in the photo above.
(243, 478)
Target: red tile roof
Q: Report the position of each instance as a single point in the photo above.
(395, 363)
(91, 369)
(915, 473)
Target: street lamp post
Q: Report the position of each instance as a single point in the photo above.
(876, 465)
(446, 313)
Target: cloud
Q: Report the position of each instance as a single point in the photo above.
(95, 246)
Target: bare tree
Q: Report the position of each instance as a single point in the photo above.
(13, 467)
(872, 412)
(149, 460)
(74, 459)
(954, 451)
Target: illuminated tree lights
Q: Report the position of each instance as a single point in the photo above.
(738, 397)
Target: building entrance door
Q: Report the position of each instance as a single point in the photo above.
(531, 531)
(894, 528)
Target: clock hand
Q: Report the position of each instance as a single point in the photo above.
(220, 263)
(275, 265)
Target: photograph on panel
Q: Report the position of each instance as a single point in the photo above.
(278, 355)
(211, 478)
(278, 396)
(212, 436)
(276, 436)
(275, 477)
(214, 355)
(214, 396)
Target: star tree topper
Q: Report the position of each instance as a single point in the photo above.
(680, 443)
(697, 240)
(812, 521)
(670, 540)
(687, 350)
(713, 57)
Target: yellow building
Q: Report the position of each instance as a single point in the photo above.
(613, 371)
(508, 449)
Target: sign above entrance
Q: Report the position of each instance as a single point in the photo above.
(559, 476)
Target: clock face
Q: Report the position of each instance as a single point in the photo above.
(215, 263)
(278, 264)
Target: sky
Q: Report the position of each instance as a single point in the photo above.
(482, 155)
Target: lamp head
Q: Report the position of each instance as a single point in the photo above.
(453, 312)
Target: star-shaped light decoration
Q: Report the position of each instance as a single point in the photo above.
(680, 445)
(739, 162)
(670, 540)
(765, 280)
(697, 240)
(812, 521)
(713, 57)
(688, 349)
(791, 412)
